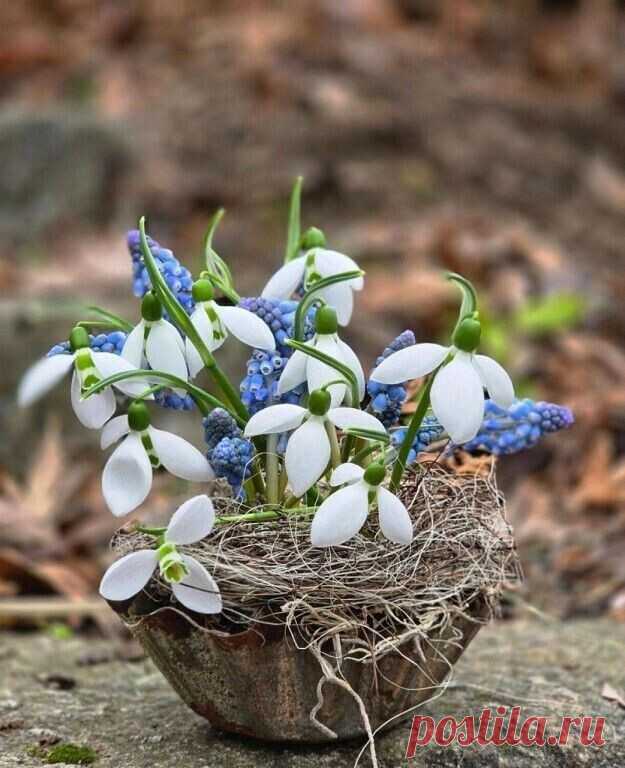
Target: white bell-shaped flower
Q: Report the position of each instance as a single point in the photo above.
(308, 449)
(156, 341)
(302, 368)
(127, 476)
(457, 394)
(89, 368)
(214, 322)
(344, 513)
(190, 582)
(318, 263)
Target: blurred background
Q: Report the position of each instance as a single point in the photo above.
(480, 136)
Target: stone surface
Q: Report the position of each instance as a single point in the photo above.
(128, 714)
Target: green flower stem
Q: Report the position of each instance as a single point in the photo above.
(273, 480)
(250, 490)
(469, 297)
(204, 401)
(335, 451)
(411, 433)
(364, 453)
(87, 324)
(182, 320)
(159, 531)
(343, 369)
(293, 231)
(310, 297)
(116, 320)
(264, 515)
(348, 447)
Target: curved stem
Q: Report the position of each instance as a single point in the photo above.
(335, 451)
(310, 297)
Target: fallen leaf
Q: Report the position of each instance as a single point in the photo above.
(611, 694)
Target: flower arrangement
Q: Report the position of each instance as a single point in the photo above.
(307, 438)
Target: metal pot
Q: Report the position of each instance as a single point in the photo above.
(257, 683)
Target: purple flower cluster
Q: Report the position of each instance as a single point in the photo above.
(387, 399)
(227, 451)
(102, 342)
(428, 433)
(177, 276)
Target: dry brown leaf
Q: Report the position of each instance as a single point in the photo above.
(611, 694)
(602, 481)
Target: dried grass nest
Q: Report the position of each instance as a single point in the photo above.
(371, 593)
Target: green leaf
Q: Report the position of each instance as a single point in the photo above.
(346, 372)
(114, 320)
(294, 227)
(368, 434)
(557, 312)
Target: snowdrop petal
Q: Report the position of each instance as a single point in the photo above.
(127, 476)
(42, 377)
(275, 419)
(344, 418)
(128, 575)
(198, 590)
(333, 263)
(247, 327)
(458, 398)
(132, 351)
(307, 455)
(179, 457)
(94, 411)
(495, 379)
(203, 326)
(319, 374)
(394, 518)
(113, 431)
(340, 516)
(409, 363)
(108, 364)
(294, 372)
(353, 363)
(341, 297)
(346, 473)
(285, 281)
(163, 350)
(192, 521)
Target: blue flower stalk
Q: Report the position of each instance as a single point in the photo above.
(522, 426)
(259, 387)
(387, 399)
(176, 275)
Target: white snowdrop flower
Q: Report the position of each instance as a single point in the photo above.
(308, 450)
(157, 341)
(343, 513)
(457, 394)
(314, 265)
(304, 368)
(90, 367)
(190, 582)
(127, 476)
(213, 323)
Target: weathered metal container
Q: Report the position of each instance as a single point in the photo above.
(257, 683)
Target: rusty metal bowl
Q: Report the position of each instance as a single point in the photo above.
(257, 683)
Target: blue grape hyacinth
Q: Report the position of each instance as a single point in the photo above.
(176, 275)
(259, 387)
(101, 342)
(506, 431)
(231, 460)
(217, 425)
(428, 433)
(387, 399)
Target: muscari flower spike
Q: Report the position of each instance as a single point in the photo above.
(217, 425)
(303, 368)
(231, 459)
(190, 582)
(177, 276)
(344, 512)
(214, 322)
(457, 394)
(387, 400)
(429, 432)
(90, 367)
(127, 476)
(156, 341)
(315, 264)
(519, 427)
(308, 449)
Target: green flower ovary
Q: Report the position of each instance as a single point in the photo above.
(170, 563)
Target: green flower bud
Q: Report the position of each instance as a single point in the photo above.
(202, 290)
(313, 238)
(325, 320)
(467, 335)
(138, 416)
(319, 402)
(151, 307)
(78, 338)
(374, 474)
(171, 564)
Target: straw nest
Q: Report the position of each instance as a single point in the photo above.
(371, 593)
